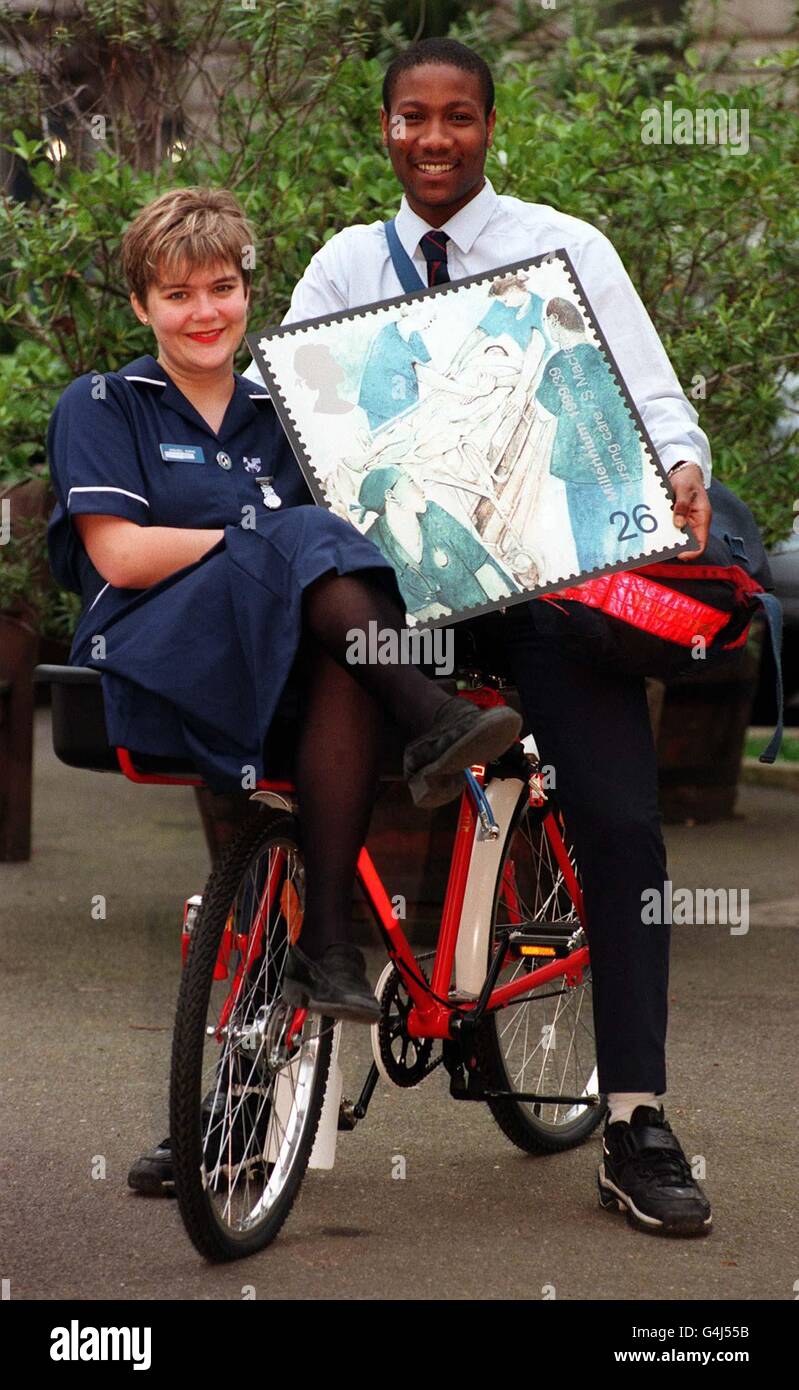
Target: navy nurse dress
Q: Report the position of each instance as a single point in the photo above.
(195, 665)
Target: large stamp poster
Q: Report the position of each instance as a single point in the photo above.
(479, 433)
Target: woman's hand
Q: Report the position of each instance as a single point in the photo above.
(130, 556)
(691, 507)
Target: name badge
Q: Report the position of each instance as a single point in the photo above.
(182, 453)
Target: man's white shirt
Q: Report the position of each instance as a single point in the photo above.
(354, 268)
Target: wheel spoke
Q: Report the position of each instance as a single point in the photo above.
(258, 1095)
(546, 1043)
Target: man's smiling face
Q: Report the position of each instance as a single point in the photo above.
(437, 135)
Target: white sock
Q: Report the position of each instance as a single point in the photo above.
(621, 1104)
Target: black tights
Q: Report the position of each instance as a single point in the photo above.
(337, 755)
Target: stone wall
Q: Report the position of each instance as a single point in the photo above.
(756, 28)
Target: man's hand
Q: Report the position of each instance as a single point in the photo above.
(691, 507)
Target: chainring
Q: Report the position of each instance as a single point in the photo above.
(406, 1059)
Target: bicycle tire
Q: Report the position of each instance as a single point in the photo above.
(270, 834)
(518, 1120)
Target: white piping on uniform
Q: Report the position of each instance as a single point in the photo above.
(150, 380)
(123, 490)
(99, 596)
(259, 395)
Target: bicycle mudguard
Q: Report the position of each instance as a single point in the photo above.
(471, 948)
(323, 1153)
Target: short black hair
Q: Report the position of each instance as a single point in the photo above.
(449, 51)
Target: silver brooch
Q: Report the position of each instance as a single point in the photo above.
(269, 497)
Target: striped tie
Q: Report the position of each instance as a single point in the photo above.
(434, 250)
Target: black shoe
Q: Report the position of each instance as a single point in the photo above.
(461, 734)
(226, 1147)
(335, 985)
(646, 1173)
(152, 1173)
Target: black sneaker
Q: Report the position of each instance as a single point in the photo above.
(152, 1173)
(461, 734)
(646, 1173)
(335, 985)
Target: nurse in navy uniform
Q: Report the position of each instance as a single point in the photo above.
(213, 585)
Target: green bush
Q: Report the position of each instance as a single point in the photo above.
(709, 237)
(30, 379)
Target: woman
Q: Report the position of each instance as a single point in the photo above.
(209, 578)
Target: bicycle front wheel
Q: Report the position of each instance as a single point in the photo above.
(544, 1044)
(247, 1085)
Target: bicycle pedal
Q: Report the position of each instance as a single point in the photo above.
(465, 1083)
(549, 942)
(347, 1119)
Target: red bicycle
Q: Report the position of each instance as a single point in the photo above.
(503, 1003)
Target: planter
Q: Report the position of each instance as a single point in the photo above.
(702, 734)
(18, 654)
(19, 649)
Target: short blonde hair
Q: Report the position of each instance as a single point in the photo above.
(190, 227)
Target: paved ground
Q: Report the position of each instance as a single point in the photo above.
(86, 1008)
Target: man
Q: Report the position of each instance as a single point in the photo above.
(591, 725)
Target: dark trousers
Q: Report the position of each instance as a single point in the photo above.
(592, 726)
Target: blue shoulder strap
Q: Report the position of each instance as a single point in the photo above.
(407, 274)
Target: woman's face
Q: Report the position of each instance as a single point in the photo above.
(198, 317)
(514, 296)
(408, 494)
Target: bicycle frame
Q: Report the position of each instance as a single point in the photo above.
(475, 856)
(432, 1012)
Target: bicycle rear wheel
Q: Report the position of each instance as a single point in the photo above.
(544, 1044)
(245, 1096)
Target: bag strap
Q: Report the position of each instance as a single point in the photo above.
(407, 274)
(772, 611)
(743, 583)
